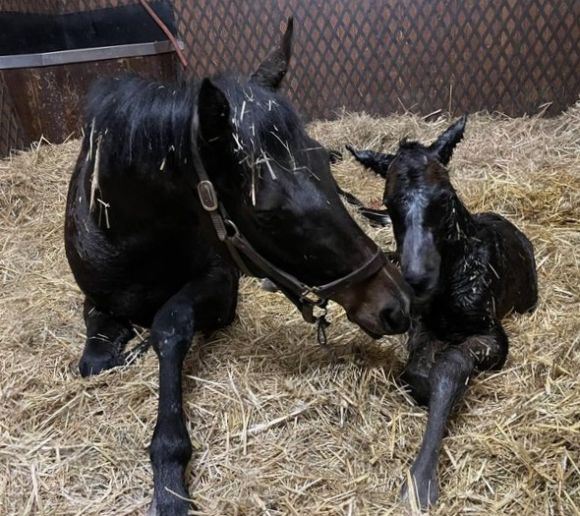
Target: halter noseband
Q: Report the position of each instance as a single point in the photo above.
(305, 297)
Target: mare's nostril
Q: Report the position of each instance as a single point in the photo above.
(387, 316)
(394, 319)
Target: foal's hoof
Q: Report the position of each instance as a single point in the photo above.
(422, 494)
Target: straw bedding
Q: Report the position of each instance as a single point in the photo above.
(279, 425)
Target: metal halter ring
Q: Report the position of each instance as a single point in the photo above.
(321, 324)
(311, 296)
(231, 225)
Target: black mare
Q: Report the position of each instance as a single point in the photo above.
(467, 272)
(143, 249)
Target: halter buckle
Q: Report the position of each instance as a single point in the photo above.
(207, 195)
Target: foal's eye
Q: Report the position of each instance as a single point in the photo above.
(435, 212)
(393, 210)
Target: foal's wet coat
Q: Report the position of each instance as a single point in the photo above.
(467, 271)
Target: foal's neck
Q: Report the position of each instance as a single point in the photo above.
(460, 226)
(455, 245)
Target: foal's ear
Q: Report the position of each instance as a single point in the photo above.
(271, 72)
(376, 161)
(213, 110)
(444, 145)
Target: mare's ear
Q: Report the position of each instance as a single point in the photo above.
(376, 161)
(214, 112)
(271, 72)
(443, 147)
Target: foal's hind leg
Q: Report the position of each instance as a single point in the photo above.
(448, 380)
(202, 306)
(106, 339)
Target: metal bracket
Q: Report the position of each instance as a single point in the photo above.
(83, 55)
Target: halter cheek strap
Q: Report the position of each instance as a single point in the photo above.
(251, 262)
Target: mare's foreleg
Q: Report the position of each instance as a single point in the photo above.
(106, 340)
(448, 378)
(199, 306)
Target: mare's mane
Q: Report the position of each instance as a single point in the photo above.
(148, 124)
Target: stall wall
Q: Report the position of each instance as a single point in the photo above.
(46, 101)
(378, 56)
(381, 56)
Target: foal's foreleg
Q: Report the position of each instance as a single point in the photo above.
(448, 380)
(423, 350)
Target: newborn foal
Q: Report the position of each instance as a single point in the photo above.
(467, 272)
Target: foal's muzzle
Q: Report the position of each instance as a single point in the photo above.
(423, 286)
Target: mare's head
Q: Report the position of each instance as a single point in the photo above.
(420, 200)
(275, 183)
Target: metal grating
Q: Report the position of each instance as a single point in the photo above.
(382, 56)
(379, 56)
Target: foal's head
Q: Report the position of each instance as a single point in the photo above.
(275, 183)
(420, 200)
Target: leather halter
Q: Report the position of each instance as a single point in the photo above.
(305, 297)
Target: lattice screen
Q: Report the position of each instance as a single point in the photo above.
(389, 55)
(378, 56)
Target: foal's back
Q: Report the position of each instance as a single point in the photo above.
(512, 264)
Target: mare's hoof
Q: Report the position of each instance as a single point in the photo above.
(422, 494)
(90, 365)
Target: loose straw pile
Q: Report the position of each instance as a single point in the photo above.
(279, 425)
